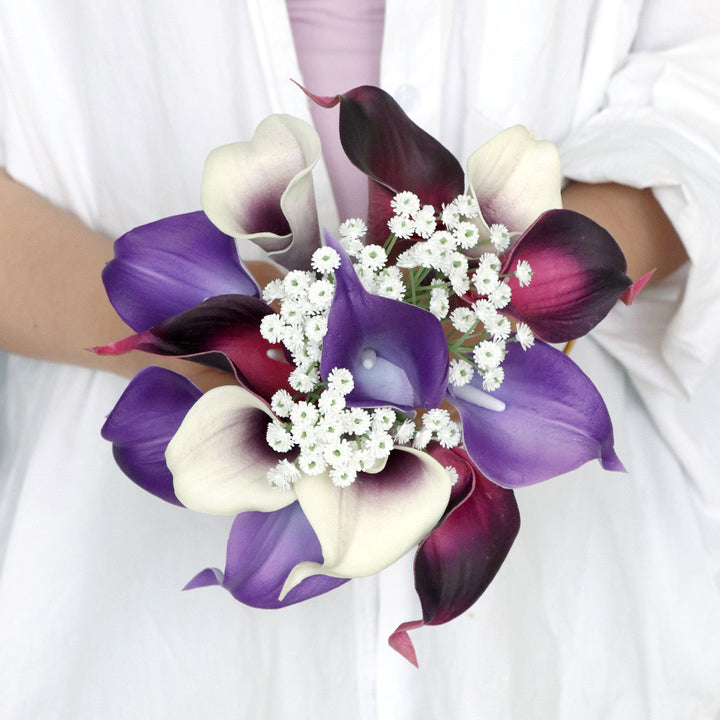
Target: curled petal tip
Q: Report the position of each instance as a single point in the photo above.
(634, 290)
(326, 101)
(205, 578)
(400, 641)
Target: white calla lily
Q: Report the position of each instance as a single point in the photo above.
(262, 190)
(219, 457)
(369, 525)
(515, 179)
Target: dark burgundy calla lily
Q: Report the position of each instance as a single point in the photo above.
(554, 420)
(395, 153)
(166, 267)
(579, 273)
(142, 423)
(222, 328)
(396, 352)
(459, 559)
(262, 550)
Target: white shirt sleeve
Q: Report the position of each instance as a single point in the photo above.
(659, 128)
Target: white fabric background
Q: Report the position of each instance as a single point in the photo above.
(609, 604)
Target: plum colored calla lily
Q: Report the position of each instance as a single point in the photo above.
(262, 190)
(459, 559)
(395, 154)
(221, 329)
(579, 274)
(546, 419)
(156, 274)
(143, 421)
(396, 352)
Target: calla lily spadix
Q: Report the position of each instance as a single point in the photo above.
(333, 445)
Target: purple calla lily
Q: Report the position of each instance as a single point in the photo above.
(546, 419)
(262, 550)
(156, 274)
(396, 352)
(459, 559)
(143, 421)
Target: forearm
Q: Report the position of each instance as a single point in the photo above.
(53, 304)
(636, 221)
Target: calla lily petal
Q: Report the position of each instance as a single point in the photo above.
(262, 190)
(459, 559)
(262, 549)
(369, 525)
(156, 274)
(578, 275)
(219, 456)
(381, 140)
(396, 352)
(143, 421)
(222, 327)
(554, 420)
(514, 178)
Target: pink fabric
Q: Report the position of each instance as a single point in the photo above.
(338, 44)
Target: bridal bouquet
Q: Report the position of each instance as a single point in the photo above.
(394, 385)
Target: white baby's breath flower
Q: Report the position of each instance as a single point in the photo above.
(301, 381)
(449, 435)
(405, 432)
(304, 414)
(523, 273)
(340, 380)
(467, 205)
(463, 319)
(488, 354)
(500, 295)
(272, 328)
(439, 303)
(467, 235)
(353, 228)
(461, 372)
(499, 327)
(320, 294)
(485, 311)
(357, 421)
(278, 438)
(315, 328)
(281, 403)
(283, 475)
(405, 203)
(524, 335)
(312, 462)
(499, 237)
(492, 379)
(436, 418)
(422, 437)
(425, 222)
(451, 216)
(452, 474)
(293, 312)
(379, 443)
(274, 290)
(296, 283)
(373, 257)
(408, 258)
(324, 260)
(331, 402)
(383, 418)
(390, 284)
(401, 226)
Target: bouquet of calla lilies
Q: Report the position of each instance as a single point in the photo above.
(394, 386)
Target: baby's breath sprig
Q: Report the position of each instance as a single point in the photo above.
(315, 423)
